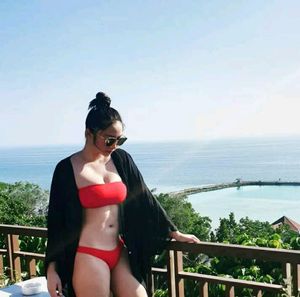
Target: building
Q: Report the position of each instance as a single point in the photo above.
(287, 221)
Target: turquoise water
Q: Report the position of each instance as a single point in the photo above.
(264, 203)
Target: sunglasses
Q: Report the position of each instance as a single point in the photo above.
(110, 140)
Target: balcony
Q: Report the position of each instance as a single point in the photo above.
(174, 273)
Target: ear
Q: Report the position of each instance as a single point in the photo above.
(87, 132)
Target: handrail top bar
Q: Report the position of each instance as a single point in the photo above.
(18, 227)
(23, 230)
(215, 248)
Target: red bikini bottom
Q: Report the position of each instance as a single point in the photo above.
(110, 257)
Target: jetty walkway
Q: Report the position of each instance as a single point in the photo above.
(238, 183)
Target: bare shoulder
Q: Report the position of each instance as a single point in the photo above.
(75, 158)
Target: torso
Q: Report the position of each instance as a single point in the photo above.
(100, 227)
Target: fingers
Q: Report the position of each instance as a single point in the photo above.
(55, 289)
(192, 238)
(196, 239)
(59, 288)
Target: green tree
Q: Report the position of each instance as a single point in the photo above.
(23, 203)
(227, 231)
(184, 216)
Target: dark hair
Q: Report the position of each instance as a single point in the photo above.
(101, 115)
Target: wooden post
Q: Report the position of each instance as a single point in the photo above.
(203, 289)
(179, 282)
(295, 279)
(1, 271)
(230, 291)
(31, 264)
(1, 265)
(16, 259)
(171, 274)
(259, 293)
(10, 256)
(150, 289)
(288, 276)
(152, 284)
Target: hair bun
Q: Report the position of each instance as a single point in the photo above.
(102, 101)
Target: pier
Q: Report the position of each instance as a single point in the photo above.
(238, 183)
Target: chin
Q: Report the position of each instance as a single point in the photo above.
(109, 152)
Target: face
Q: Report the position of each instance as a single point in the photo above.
(107, 136)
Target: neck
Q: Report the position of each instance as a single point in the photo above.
(92, 154)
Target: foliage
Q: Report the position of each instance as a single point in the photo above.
(23, 204)
(184, 216)
(244, 232)
(256, 233)
(233, 232)
(161, 293)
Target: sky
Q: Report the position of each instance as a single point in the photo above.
(175, 70)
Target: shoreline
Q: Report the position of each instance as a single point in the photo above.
(236, 184)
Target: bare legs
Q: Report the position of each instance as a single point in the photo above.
(93, 278)
(123, 283)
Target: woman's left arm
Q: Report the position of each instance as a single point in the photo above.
(164, 223)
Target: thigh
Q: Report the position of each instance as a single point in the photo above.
(91, 276)
(123, 283)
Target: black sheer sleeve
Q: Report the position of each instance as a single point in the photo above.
(155, 225)
(55, 220)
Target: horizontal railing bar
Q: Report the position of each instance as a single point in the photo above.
(30, 255)
(3, 251)
(233, 250)
(22, 230)
(230, 281)
(156, 270)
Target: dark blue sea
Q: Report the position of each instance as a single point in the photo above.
(172, 166)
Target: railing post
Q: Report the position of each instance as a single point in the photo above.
(203, 289)
(17, 260)
(288, 276)
(31, 264)
(10, 256)
(1, 265)
(149, 284)
(179, 282)
(229, 291)
(171, 274)
(295, 279)
(259, 293)
(14, 261)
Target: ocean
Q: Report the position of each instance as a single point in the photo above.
(171, 166)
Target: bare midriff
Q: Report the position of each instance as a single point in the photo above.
(100, 227)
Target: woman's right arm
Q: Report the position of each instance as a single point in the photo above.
(55, 242)
(53, 281)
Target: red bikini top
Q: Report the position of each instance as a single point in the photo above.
(99, 195)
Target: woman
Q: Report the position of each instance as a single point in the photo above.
(103, 222)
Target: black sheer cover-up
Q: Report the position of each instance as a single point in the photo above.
(143, 223)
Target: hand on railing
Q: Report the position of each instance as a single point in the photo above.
(53, 281)
(178, 236)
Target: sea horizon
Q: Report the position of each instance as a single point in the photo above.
(172, 166)
(151, 141)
